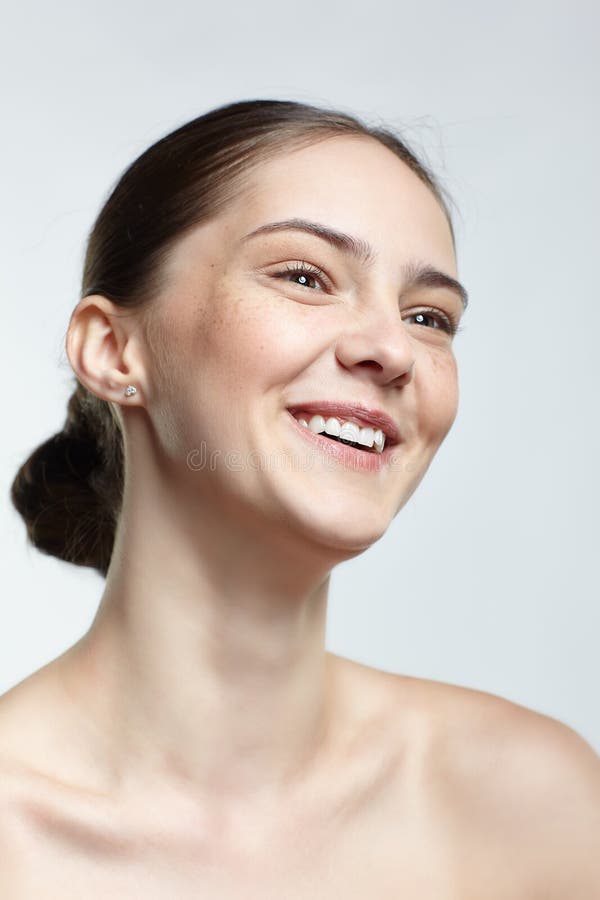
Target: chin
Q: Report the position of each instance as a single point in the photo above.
(345, 531)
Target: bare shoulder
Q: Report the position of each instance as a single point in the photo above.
(11, 826)
(548, 793)
(37, 750)
(520, 781)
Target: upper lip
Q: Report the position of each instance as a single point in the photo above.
(375, 417)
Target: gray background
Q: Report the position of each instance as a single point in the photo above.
(488, 577)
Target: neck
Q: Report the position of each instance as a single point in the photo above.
(206, 664)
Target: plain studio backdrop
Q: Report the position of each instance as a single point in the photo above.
(489, 576)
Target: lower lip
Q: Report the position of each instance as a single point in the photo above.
(362, 460)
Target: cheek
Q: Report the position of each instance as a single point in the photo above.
(253, 341)
(438, 394)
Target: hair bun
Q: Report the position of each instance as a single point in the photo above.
(64, 490)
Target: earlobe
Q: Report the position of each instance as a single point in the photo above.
(101, 351)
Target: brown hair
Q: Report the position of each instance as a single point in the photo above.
(69, 491)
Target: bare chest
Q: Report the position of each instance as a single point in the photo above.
(367, 856)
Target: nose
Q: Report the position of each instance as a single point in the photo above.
(383, 349)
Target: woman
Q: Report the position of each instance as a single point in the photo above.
(264, 362)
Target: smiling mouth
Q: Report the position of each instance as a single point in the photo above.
(355, 424)
(359, 435)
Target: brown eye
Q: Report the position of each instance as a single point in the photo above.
(439, 319)
(304, 272)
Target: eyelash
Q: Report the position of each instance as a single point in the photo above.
(447, 322)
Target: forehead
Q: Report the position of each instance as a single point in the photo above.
(355, 185)
(348, 184)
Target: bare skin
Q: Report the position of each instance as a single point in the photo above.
(198, 739)
(428, 791)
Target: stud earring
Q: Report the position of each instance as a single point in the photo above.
(130, 390)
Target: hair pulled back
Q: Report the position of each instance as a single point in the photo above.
(69, 491)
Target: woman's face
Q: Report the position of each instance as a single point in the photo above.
(247, 339)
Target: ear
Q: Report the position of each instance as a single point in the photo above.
(104, 347)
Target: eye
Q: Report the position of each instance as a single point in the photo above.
(304, 272)
(440, 320)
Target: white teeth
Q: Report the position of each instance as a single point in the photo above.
(332, 426)
(347, 431)
(365, 437)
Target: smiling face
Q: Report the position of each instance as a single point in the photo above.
(249, 336)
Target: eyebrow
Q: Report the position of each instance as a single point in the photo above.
(416, 273)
